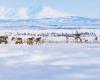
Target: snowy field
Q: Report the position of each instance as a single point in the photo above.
(57, 61)
(50, 62)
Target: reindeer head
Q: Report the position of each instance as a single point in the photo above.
(12, 38)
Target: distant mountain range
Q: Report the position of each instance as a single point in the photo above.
(49, 23)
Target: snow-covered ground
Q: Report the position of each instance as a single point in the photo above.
(56, 61)
(50, 62)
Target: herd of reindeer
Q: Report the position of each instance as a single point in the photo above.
(37, 40)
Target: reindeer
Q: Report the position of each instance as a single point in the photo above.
(38, 40)
(3, 39)
(30, 41)
(77, 37)
(95, 39)
(17, 40)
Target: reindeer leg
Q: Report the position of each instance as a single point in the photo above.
(6, 42)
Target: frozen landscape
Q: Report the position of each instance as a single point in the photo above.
(49, 61)
(49, 39)
(57, 57)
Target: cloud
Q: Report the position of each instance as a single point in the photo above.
(9, 13)
(4, 12)
(48, 12)
(23, 13)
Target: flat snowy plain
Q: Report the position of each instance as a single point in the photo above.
(57, 61)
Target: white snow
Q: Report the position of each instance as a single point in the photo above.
(49, 12)
(49, 61)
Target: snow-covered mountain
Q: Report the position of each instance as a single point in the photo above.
(45, 23)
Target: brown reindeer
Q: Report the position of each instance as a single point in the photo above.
(30, 41)
(17, 40)
(38, 40)
(3, 39)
